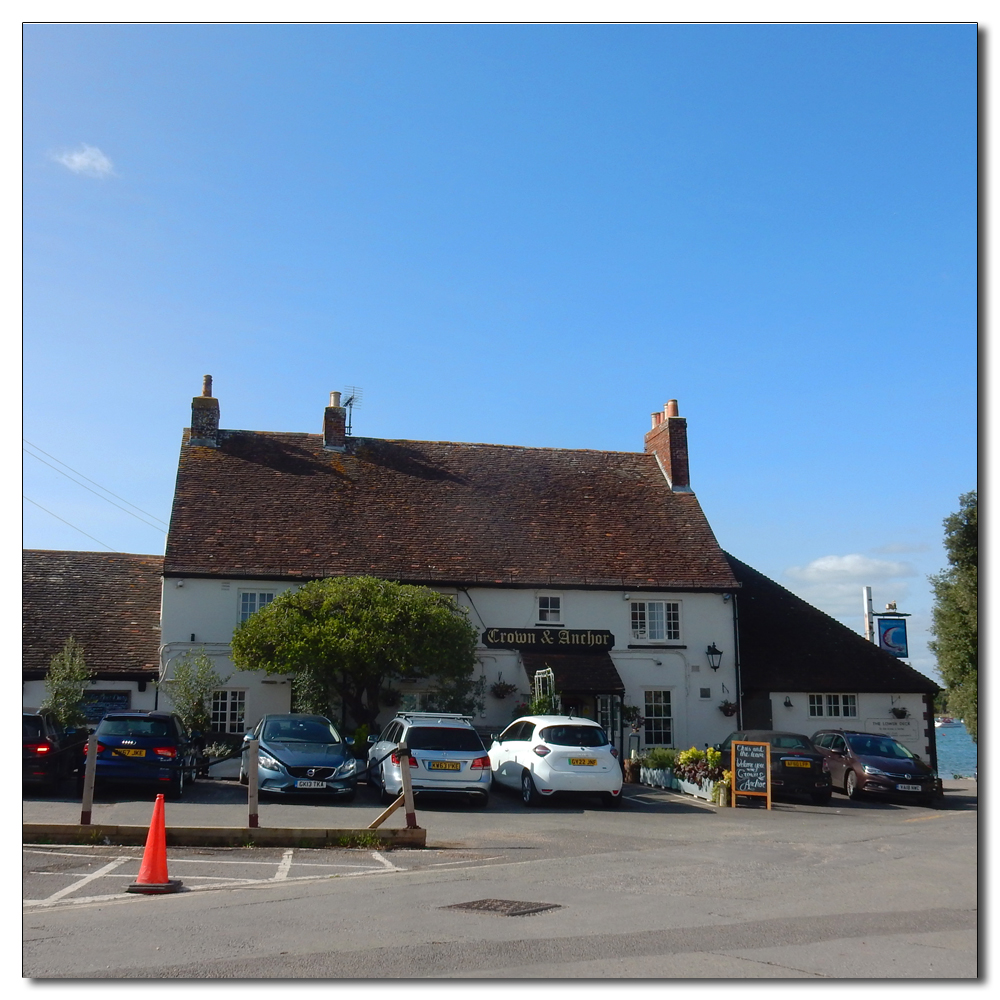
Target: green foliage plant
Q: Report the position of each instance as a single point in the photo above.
(65, 683)
(190, 686)
(955, 615)
(344, 639)
(660, 759)
(699, 767)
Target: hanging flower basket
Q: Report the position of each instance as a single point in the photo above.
(728, 708)
(502, 689)
(900, 713)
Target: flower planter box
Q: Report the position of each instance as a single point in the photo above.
(658, 778)
(689, 788)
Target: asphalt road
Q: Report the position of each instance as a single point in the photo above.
(666, 887)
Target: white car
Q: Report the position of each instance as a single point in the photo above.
(546, 754)
(446, 756)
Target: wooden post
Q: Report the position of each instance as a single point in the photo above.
(382, 817)
(89, 774)
(404, 771)
(253, 748)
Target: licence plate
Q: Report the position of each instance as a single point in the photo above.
(796, 763)
(129, 753)
(909, 788)
(583, 761)
(310, 784)
(445, 765)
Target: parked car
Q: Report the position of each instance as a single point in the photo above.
(49, 752)
(301, 755)
(797, 766)
(867, 763)
(446, 755)
(151, 748)
(545, 755)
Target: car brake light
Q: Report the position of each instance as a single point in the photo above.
(826, 764)
(165, 751)
(395, 760)
(541, 750)
(614, 751)
(39, 748)
(86, 747)
(480, 764)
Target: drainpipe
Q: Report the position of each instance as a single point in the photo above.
(736, 659)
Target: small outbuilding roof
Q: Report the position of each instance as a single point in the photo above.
(109, 602)
(788, 645)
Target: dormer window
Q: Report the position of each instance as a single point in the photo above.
(549, 609)
(656, 621)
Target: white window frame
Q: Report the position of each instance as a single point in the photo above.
(256, 595)
(656, 721)
(417, 701)
(833, 705)
(667, 627)
(542, 614)
(230, 710)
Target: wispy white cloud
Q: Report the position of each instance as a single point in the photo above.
(850, 569)
(87, 160)
(834, 583)
(897, 548)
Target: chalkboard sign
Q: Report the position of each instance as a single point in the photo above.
(751, 766)
(97, 703)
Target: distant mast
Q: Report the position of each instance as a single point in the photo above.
(869, 613)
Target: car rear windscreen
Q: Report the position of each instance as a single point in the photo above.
(133, 727)
(574, 736)
(443, 738)
(31, 727)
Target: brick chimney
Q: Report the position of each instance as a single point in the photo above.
(668, 441)
(335, 424)
(205, 417)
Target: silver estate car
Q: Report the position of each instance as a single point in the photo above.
(446, 755)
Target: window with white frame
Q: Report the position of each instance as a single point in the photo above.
(658, 724)
(252, 601)
(418, 701)
(834, 706)
(228, 711)
(549, 608)
(657, 621)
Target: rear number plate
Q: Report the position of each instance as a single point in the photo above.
(445, 765)
(310, 784)
(796, 763)
(909, 788)
(583, 761)
(129, 753)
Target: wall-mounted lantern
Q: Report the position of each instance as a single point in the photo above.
(714, 656)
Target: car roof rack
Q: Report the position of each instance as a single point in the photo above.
(433, 715)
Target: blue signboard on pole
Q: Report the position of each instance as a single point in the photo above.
(892, 636)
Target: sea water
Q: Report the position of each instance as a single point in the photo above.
(957, 754)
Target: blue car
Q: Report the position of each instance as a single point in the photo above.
(150, 748)
(301, 755)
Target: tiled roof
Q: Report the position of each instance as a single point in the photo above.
(593, 673)
(278, 505)
(108, 601)
(788, 645)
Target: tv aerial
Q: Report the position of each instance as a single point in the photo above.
(352, 398)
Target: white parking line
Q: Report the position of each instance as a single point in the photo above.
(283, 866)
(111, 866)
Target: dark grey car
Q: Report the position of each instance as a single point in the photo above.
(302, 755)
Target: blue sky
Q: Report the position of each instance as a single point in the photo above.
(522, 234)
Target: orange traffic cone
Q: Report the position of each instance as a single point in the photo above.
(152, 876)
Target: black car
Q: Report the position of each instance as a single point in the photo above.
(797, 766)
(49, 752)
(867, 764)
(150, 748)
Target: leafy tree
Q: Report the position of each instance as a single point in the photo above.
(190, 689)
(65, 683)
(344, 639)
(955, 617)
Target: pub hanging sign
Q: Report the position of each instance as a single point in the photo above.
(553, 640)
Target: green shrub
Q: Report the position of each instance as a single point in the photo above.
(660, 758)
